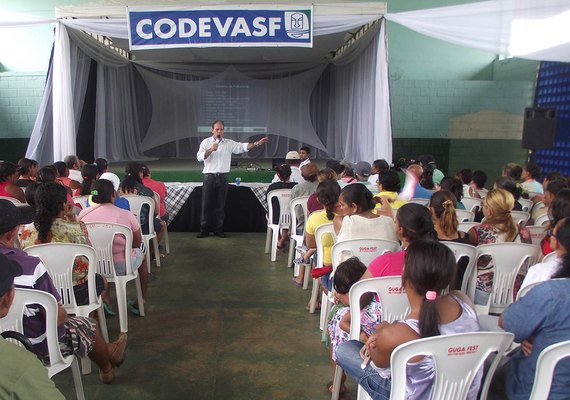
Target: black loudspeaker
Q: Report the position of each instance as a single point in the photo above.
(539, 128)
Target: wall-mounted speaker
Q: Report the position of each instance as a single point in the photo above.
(539, 128)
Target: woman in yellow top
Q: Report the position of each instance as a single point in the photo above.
(389, 186)
(327, 194)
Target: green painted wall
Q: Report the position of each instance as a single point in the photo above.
(431, 81)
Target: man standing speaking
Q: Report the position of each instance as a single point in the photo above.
(216, 154)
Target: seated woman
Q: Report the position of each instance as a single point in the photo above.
(558, 209)
(347, 274)
(119, 201)
(429, 270)
(413, 222)
(327, 194)
(103, 210)
(132, 184)
(356, 219)
(27, 170)
(559, 243)
(442, 207)
(283, 173)
(326, 174)
(389, 185)
(55, 223)
(499, 227)
(8, 177)
(455, 186)
(90, 174)
(538, 320)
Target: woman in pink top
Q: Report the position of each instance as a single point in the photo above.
(103, 209)
(8, 177)
(413, 222)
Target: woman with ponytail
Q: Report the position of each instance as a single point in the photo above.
(498, 227)
(428, 272)
(356, 218)
(442, 206)
(90, 174)
(55, 222)
(327, 194)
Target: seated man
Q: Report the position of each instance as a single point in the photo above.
(23, 375)
(77, 335)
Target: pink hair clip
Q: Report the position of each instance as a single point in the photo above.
(431, 295)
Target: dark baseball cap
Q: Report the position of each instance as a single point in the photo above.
(12, 215)
(8, 271)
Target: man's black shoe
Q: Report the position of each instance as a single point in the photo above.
(221, 234)
(202, 235)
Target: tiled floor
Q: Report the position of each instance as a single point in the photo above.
(223, 322)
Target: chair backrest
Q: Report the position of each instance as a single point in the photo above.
(465, 250)
(523, 292)
(457, 359)
(59, 259)
(472, 204)
(526, 204)
(550, 255)
(12, 199)
(465, 226)
(520, 217)
(298, 202)
(13, 321)
(545, 366)
(537, 233)
(538, 206)
(320, 232)
(283, 196)
(542, 220)
(464, 215)
(136, 204)
(82, 200)
(392, 296)
(365, 249)
(508, 260)
(102, 235)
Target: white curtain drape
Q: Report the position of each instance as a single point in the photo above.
(499, 27)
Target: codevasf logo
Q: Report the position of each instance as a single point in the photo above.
(297, 25)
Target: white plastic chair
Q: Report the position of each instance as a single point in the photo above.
(366, 250)
(520, 217)
(320, 232)
(542, 220)
(157, 200)
(526, 204)
(464, 215)
(82, 200)
(457, 359)
(545, 366)
(538, 206)
(101, 235)
(12, 199)
(465, 226)
(295, 239)
(537, 233)
(464, 250)
(508, 259)
(547, 257)
(283, 196)
(472, 204)
(14, 322)
(395, 306)
(136, 203)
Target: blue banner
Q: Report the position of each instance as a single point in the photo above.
(286, 26)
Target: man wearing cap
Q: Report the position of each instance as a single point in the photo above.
(77, 335)
(216, 154)
(292, 159)
(362, 171)
(23, 376)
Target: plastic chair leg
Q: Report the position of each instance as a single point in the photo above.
(85, 365)
(156, 251)
(337, 382)
(314, 296)
(268, 240)
(307, 277)
(292, 252)
(325, 309)
(103, 323)
(274, 240)
(139, 296)
(77, 379)
(121, 291)
(147, 255)
(166, 240)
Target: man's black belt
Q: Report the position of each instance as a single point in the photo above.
(216, 173)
